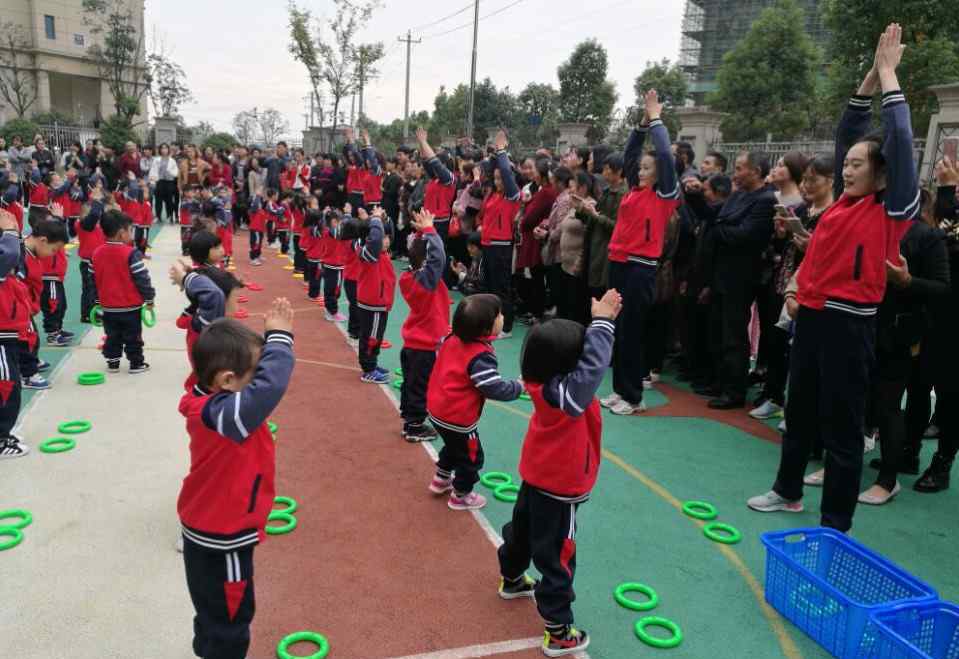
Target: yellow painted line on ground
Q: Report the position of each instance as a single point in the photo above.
(329, 364)
(789, 648)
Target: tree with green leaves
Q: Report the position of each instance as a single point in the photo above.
(303, 48)
(768, 82)
(220, 141)
(585, 95)
(931, 35)
(492, 107)
(537, 115)
(366, 56)
(17, 87)
(670, 84)
(118, 53)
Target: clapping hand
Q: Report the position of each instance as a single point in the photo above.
(280, 316)
(500, 141)
(609, 306)
(422, 220)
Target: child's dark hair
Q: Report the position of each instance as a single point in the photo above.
(226, 345)
(313, 218)
(224, 280)
(551, 348)
(475, 238)
(113, 222)
(475, 316)
(54, 231)
(200, 245)
(417, 252)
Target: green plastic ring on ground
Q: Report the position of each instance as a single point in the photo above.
(91, 378)
(665, 623)
(398, 370)
(148, 316)
(74, 427)
(506, 492)
(632, 587)
(25, 518)
(398, 383)
(524, 396)
(96, 316)
(272, 426)
(289, 502)
(700, 510)
(300, 637)
(57, 445)
(493, 479)
(712, 529)
(16, 536)
(280, 516)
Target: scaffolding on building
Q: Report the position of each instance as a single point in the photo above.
(711, 28)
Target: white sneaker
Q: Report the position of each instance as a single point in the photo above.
(653, 377)
(772, 502)
(610, 400)
(868, 443)
(626, 409)
(879, 497)
(179, 543)
(815, 478)
(768, 410)
(782, 426)
(12, 447)
(647, 382)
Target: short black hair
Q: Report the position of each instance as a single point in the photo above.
(475, 316)
(758, 161)
(200, 245)
(225, 281)
(53, 230)
(721, 185)
(475, 238)
(113, 222)
(600, 153)
(550, 349)
(417, 252)
(720, 159)
(685, 149)
(225, 345)
(615, 162)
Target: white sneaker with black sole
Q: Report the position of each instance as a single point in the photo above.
(12, 447)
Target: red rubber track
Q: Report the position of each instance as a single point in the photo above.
(685, 404)
(377, 564)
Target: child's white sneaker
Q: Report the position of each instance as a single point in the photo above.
(470, 501)
(610, 400)
(627, 409)
(12, 447)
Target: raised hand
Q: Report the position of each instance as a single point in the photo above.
(280, 316)
(421, 135)
(422, 220)
(609, 306)
(365, 134)
(56, 210)
(500, 141)
(653, 106)
(947, 172)
(178, 272)
(890, 48)
(348, 135)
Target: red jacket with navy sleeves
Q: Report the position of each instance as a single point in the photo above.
(428, 298)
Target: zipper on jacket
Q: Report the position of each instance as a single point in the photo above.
(256, 488)
(857, 265)
(586, 471)
(647, 229)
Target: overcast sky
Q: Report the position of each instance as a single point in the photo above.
(236, 57)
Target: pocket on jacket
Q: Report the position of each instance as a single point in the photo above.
(857, 264)
(253, 492)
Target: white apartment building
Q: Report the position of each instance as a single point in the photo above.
(66, 80)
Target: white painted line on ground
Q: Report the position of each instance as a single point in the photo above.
(485, 650)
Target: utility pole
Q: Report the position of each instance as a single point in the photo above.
(406, 112)
(469, 116)
(362, 72)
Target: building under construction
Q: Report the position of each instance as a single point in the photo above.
(711, 28)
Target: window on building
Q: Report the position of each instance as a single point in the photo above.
(78, 40)
(50, 24)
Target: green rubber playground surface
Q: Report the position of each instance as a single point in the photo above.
(630, 530)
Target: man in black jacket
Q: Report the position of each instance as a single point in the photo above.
(741, 230)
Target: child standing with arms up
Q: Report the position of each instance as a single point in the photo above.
(228, 493)
(465, 375)
(429, 321)
(563, 366)
(375, 289)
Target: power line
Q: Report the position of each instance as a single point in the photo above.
(470, 24)
(440, 20)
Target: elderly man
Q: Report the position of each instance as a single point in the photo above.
(129, 161)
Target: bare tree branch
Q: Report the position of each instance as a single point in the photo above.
(17, 86)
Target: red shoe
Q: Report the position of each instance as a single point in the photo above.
(252, 286)
(241, 314)
(386, 345)
(242, 299)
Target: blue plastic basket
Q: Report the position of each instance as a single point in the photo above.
(913, 631)
(827, 584)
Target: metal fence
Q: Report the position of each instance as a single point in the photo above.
(59, 137)
(775, 150)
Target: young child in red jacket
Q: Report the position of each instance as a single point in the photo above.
(375, 288)
(427, 323)
(228, 493)
(563, 366)
(465, 375)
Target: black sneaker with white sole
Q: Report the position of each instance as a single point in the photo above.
(136, 369)
(510, 589)
(418, 432)
(113, 366)
(12, 447)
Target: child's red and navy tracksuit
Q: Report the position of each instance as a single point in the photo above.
(634, 251)
(30, 272)
(122, 288)
(207, 303)
(439, 195)
(464, 376)
(90, 236)
(53, 298)
(425, 326)
(375, 289)
(559, 463)
(15, 317)
(499, 215)
(226, 498)
(335, 256)
(351, 272)
(190, 209)
(134, 205)
(841, 284)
